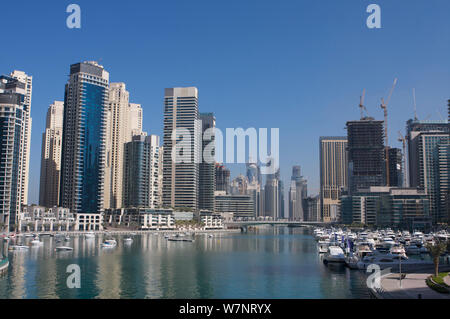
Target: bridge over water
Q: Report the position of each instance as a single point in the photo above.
(244, 224)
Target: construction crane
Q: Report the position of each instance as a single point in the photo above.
(384, 105)
(415, 105)
(362, 108)
(402, 139)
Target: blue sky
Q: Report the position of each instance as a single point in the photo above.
(297, 65)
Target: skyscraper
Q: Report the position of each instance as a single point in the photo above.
(413, 129)
(125, 121)
(12, 123)
(181, 171)
(333, 175)
(272, 197)
(51, 156)
(141, 171)
(429, 160)
(84, 144)
(26, 90)
(297, 208)
(253, 172)
(21, 83)
(239, 185)
(207, 182)
(366, 154)
(395, 167)
(222, 178)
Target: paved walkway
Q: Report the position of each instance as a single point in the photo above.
(412, 286)
(447, 280)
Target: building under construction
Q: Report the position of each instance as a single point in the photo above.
(366, 154)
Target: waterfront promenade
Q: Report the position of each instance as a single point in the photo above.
(413, 286)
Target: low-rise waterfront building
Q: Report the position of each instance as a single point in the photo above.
(88, 221)
(240, 205)
(210, 220)
(406, 208)
(141, 218)
(39, 218)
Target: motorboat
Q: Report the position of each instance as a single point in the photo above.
(109, 243)
(334, 254)
(412, 250)
(128, 240)
(89, 235)
(181, 239)
(36, 243)
(67, 238)
(362, 250)
(397, 250)
(323, 247)
(18, 247)
(63, 248)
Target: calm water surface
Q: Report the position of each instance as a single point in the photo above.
(271, 262)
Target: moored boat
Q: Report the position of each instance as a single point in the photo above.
(335, 254)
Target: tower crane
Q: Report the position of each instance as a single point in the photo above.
(415, 105)
(362, 108)
(384, 105)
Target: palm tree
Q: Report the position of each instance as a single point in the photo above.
(436, 251)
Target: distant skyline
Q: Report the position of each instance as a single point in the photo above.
(296, 65)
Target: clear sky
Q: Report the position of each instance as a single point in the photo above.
(298, 65)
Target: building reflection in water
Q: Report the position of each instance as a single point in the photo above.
(265, 262)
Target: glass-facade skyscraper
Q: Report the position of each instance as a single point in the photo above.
(83, 155)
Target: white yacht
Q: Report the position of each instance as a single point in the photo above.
(36, 243)
(89, 235)
(18, 247)
(397, 250)
(335, 254)
(109, 243)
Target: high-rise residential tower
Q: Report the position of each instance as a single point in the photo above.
(297, 204)
(12, 123)
(22, 83)
(84, 138)
(333, 175)
(141, 171)
(413, 129)
(181, 135)
(429, 163)
(51, 156)
(272, 197)
(124, 121)
(207, 182)
(27, 89)
(366, 154)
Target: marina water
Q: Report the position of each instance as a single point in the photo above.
(266, 262)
